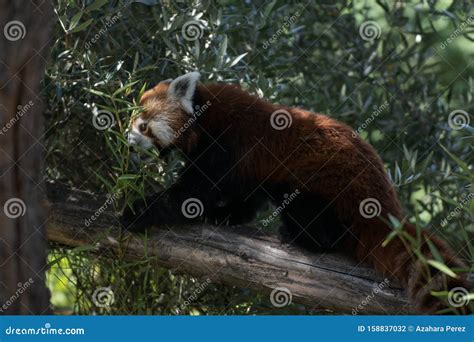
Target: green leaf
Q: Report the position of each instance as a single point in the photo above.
(128, 177)
(95, 5)
(75, 20)
(434, 251)
(82, 26)
(56, 261)
(108, 185)
(237, 60)
(125, 87)
(389, 238)
(424, 164)
(442, 267)
(268, 8)
(396, 224)
(84, 248)
(458, 161)
(135, 61)
(222, 51)
(97, 92)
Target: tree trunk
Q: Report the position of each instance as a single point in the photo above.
(24, 47)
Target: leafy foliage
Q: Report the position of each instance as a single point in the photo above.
(397, 88)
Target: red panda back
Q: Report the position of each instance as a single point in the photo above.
(322, 157)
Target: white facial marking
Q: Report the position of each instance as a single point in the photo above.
(162, 131)
(136, 138)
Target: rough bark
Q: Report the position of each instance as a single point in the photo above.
(24, 47)
(238, 256)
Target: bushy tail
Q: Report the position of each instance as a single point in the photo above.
(418, 268)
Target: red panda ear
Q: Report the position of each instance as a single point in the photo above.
(183, 88)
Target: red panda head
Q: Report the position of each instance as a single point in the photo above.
(167, 107)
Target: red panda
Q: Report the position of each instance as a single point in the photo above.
(242, 151)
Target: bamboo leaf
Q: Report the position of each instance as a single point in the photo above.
(442, 267)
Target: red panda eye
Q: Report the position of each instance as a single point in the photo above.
(142, 127)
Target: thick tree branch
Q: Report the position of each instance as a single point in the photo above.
(232, 255)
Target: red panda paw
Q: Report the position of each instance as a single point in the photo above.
(135, 219)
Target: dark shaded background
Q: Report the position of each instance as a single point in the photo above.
(400, 73)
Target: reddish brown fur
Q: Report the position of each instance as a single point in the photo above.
(318, 155)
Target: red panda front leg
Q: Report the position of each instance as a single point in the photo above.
(164, 207)
(191, 199)
(232, 210)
